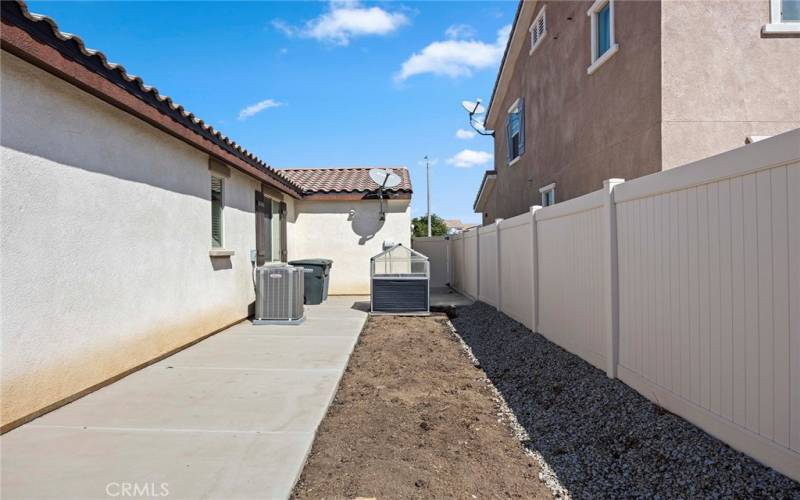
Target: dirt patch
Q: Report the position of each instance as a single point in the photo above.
(413, 418)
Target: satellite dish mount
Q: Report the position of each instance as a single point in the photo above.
(385, 179)
(476, 108)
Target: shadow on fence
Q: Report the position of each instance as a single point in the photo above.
(600, 437)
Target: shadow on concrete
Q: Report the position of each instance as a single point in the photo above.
(361, 305)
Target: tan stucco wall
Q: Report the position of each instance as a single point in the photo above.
(326, 229)
(580, 128)
(105, 239)
(722, 80)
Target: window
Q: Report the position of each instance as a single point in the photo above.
(515, 131)
(603, 43)
(784, 17)
(538, 30)
(217, 190)
(548, 195)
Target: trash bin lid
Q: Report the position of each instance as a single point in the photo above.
(312, 262)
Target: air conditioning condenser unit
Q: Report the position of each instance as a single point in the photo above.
(279, 295)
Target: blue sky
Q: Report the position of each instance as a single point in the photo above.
(320, 83)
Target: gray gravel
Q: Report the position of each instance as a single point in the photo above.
(599, 437)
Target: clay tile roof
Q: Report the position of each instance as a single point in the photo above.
(342, 180)
(46, 30)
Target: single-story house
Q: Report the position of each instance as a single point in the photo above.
(128, 223)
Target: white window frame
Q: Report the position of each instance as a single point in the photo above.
(547, 189)
(532, 30)
(776, 24)
(599, 59)
(514, 108)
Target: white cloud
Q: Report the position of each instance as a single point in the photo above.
(258, 107)
(457, 31)
(465, 134)
(469, 158)
(455, 58)
(343, 21)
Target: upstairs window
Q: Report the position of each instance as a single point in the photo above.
(538, 29)
(784, 17)
(515, 131)
(548, 195)
(217, 190)
(604, 44)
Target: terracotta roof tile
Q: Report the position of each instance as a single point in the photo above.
(341, 180)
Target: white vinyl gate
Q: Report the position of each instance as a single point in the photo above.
(436, 249)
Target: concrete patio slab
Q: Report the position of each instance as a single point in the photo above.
(235, 399)
(90, 463)
(233, 416)
(263, 351)
(447, 297)
(325, 326)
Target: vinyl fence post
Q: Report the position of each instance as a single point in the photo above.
(534, 272)
(478, 263)
(498, 268)
(611, 270)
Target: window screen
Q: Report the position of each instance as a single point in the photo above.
(216, 211)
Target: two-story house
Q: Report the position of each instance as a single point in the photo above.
(593, 90)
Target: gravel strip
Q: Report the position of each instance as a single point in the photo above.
(599, 437)
(547, 475)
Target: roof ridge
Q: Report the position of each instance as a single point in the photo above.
(148, 89)
(297, 169)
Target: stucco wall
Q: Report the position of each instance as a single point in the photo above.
(723, 80)
(580, 128)
(105, 239)
(326, 229)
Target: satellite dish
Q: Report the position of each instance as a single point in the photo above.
(473, 108)
(378, 175)
(392, 180)
(384, 178)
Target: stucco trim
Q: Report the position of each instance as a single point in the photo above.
(781, 29)
(602, 59)
(220, 252)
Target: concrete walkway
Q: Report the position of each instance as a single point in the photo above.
(233, 416)
(447, 297)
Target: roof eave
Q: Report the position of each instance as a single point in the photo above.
(485, 191)
(488, 118)
(26, 37)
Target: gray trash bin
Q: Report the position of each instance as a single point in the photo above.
(317, 278)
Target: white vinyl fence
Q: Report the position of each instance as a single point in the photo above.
(684, 284)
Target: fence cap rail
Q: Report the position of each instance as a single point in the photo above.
(589, 201)
(768, 153)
